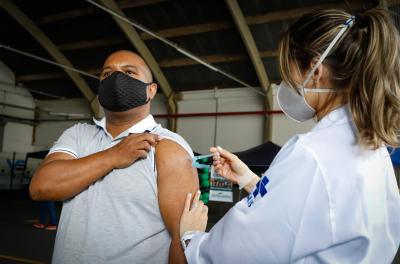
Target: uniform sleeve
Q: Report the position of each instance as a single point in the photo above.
(289, 206)
(67, 142)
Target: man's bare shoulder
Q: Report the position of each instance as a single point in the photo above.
(174, 165)
(171, 150)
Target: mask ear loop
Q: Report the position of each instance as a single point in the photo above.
(148, 99)
(349, 23)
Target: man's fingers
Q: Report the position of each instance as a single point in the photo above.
(187, 202)
(142, 153)
(144, 145)
(152, 139)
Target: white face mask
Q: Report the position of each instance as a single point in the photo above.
(293, 104)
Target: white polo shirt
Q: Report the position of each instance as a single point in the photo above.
(117, 218)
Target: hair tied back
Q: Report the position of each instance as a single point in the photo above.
(361, 21)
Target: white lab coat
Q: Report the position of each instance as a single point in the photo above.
(327, 200)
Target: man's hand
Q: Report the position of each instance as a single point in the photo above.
(62, 176)
(132, 148)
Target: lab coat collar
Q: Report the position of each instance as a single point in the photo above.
(146, 124)
(338, 116)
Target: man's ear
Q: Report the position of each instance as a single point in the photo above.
(152, 90)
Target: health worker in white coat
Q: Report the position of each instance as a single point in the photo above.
(330, 195)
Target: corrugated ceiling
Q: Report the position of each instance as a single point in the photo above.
(86, 35)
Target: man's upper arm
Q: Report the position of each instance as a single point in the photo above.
(65, 148)
(176, 178)
(57, 156)
(67, 143)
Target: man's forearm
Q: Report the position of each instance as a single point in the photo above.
(63, 179)
(176, 254)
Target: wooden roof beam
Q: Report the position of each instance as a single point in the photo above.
(204, 27)
(189, 30)
(220, 25)
(255, 57)
(167, 63)
(125, 4)
(91, 44)
(51, 48)
(50, 75)
(250, 20)
(249, 42)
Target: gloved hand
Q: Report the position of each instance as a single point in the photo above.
(194, 217)
(230, 167)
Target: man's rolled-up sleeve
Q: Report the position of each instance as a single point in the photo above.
(67, 142)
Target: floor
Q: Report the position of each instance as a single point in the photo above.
(22, 243)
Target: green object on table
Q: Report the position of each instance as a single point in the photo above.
(203, 176)
(204, 197)
(204, 182)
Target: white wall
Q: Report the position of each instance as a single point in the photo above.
(56, 116)
(11, 95)
(51, 125)
(17, 138)
(18, 128)
(63, 109)
(233, 132)
(48, 132)
(6, 74)
(159, 106)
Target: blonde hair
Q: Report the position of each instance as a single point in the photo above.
(365, 60)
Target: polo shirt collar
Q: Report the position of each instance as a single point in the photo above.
(146, 124)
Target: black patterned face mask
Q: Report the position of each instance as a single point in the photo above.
(120, 92)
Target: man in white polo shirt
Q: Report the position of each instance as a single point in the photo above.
(122, 198)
